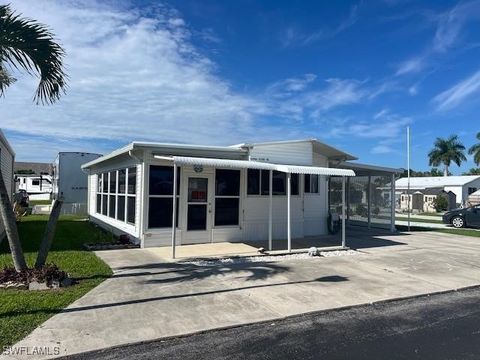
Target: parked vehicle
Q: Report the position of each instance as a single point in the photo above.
(469, 216)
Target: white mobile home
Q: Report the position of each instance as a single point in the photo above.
(461, 186)
(277, 190)
(7, 159)
(37, 187)
(70, 181)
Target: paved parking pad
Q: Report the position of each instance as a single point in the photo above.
(149, 297)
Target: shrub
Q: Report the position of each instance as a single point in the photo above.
(440, 203)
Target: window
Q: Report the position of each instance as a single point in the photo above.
(471, 190)
(160, 196)
(112, 200)
(36, 182)
(311, 184)
(253, 182)
(258, 182)
(227, 197)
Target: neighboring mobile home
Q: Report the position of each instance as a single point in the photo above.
(37, 187)
(7, 158)
(461, 186)
(424, 200)
(70, 181)
(276, 190)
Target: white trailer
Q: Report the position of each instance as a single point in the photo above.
(38, 187)
(70, 181)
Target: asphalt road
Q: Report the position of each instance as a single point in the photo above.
(444, 326)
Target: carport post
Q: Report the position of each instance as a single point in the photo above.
(392, 205)
(270, 211)
(174, 208)
(289, 230)
(343, 212)
(369, 201)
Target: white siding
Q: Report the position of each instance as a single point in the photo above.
(6, 163)
(296, 153)
(316, 210)
(256, 217)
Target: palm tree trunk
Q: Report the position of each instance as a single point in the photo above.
(445, 171)
(49, 233)
(10, 224)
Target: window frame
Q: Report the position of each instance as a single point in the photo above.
(238, 197)
(260, 184)
(164, 196)
(105, 193)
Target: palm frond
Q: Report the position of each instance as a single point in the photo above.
(26, 44)
(5, 80)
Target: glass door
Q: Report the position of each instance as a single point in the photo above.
(198, 212)
(197, 203)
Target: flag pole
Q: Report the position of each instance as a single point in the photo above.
(408, 176)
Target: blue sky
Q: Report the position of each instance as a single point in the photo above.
(352, 74)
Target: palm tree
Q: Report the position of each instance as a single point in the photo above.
(475, 151)
(445, 151)
(27, 45)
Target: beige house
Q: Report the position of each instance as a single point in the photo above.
(424, 200)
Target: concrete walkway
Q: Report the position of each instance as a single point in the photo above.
(149, 298)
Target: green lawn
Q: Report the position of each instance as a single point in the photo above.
(412, 219)
(431, 214)
(21, 311)
(464, 232)
(39, 202)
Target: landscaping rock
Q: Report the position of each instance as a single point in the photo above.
(35, 285)
(313, 251)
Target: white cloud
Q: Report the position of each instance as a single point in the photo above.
(135, 75)
(452, 23)
(458, 93)
(292, 36)
(413, 65)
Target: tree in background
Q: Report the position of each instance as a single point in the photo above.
(446, 151)
(433, 172)
(475, 151)
(29, 46)
(472, 171)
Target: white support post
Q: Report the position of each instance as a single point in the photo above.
(343, 213)
(369, 201)
(174, 209)
(270, 211)
(289, 230)
(392, 205)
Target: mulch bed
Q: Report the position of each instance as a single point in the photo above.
(110, 246)
(50, 275)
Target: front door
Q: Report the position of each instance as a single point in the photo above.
(199, 193)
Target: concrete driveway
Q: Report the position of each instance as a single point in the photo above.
(148, 298)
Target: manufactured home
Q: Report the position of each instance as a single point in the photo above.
(70, 181)
(7, 159)
(37, 187)
(424, 200)
(461, 186)
(246, 192)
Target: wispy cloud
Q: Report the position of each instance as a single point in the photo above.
(413, 65)
(293, 36)
(452, 23)
(458, 93)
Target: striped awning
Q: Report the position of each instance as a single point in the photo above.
(250, 164)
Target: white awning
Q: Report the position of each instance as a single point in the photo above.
(249, 164)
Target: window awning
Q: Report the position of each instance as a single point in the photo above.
(249, 164)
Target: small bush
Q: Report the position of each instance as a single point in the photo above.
(440, 203)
